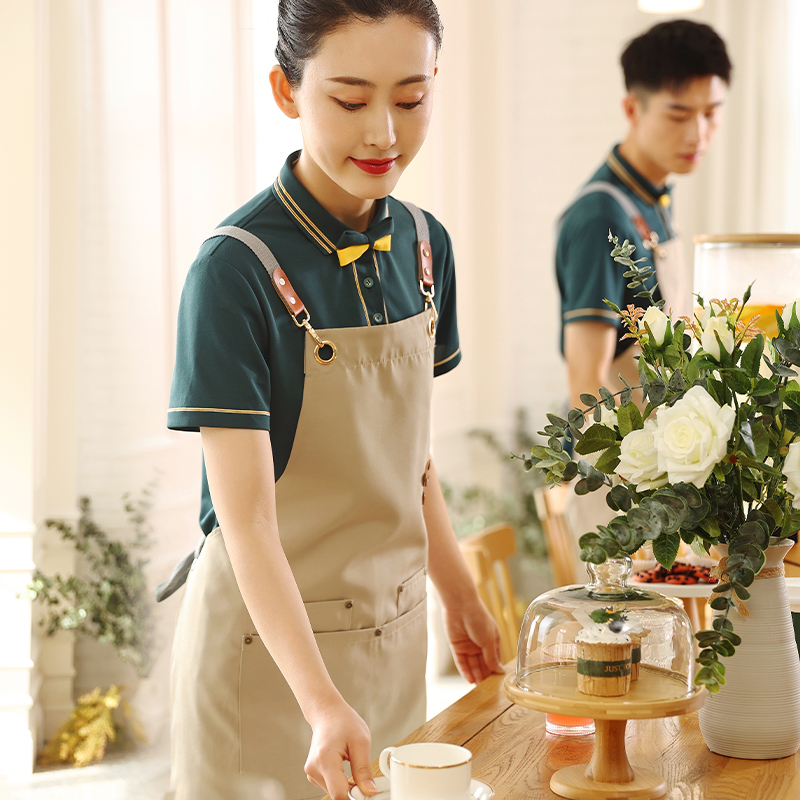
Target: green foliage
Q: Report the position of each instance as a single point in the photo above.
(475, 507)
(744, 502)
(111, 604)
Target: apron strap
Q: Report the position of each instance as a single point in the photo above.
(424, 252)
(179, 574)
(425, 262)
(294, 305)
(649, 236)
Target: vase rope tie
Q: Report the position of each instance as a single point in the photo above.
(767, 572)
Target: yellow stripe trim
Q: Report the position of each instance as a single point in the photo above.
(595, 312)
(445, 360)
(358, 288)
(222, 410)
(619, 170)
(303, 218)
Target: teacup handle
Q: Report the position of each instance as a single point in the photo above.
(383, 760)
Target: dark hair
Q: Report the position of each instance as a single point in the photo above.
(303, 24)
(671, 54)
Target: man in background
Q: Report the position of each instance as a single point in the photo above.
(676, 76)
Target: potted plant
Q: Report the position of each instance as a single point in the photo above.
(713, 458)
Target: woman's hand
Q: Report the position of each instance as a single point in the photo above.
(475, 641)
(339, 735)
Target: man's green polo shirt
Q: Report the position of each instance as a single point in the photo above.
(239, 361)
(585, 271)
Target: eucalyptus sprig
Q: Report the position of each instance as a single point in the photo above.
(741, 392)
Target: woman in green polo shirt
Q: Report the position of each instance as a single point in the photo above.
(311, 326)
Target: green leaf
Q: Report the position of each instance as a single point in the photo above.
(657, 391)
(619, 498)
(665, 549)
(608, 398)
(596, 437)
(629, 418)
(720, 603)
(676, 382)
(588, 399)
(609, 461)
(751, 357)
(764, 387)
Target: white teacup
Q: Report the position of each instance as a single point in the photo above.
(427, 771)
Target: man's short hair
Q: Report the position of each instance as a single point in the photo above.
(673, 53)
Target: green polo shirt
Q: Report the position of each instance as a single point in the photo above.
(585, 271)
(239, 360)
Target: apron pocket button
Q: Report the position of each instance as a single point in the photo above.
(348, 604)
(378, 631)
(248, 639)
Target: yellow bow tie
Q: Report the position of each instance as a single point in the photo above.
(347, 255)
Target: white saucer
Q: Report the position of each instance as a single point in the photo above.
(478, 790)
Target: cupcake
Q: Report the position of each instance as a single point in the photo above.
(604, 661)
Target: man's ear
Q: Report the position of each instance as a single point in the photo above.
(282, 92)
(631, 105)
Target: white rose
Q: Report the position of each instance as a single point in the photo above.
(791, 469)
(705, 313)
(638, 461)
(657, 320)
(708, 340)
(787, 312)
(692, 437)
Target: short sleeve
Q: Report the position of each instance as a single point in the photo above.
(447, 351)
(587, 275)
(221, 377)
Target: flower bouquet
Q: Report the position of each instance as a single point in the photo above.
(711, 458)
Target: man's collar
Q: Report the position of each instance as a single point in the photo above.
(638, 184)
(310, 217)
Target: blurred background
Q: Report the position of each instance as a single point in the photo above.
(132, 127)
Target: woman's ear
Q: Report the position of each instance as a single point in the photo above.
(282, 92)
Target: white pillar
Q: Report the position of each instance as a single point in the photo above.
(20, 343)
(38, 202)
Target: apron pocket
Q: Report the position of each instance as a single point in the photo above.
(379, 671)
(330, 615)
(411, 591)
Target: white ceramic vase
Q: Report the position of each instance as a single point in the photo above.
(756, 714)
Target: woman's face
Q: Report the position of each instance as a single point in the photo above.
(364, 104)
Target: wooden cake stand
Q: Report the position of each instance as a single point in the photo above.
(553, 688)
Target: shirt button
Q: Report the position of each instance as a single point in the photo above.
(369, 283)
(378, 317)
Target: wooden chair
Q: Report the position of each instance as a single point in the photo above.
(561, 548)
(486, 554)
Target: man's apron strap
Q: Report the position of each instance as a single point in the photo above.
(649, 236)
(179, 574)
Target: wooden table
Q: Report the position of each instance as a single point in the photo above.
(514, 755)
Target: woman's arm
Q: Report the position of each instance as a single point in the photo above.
(473, 634)
(242, 482)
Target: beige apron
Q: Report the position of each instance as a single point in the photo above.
(585, 512)
(349, 508)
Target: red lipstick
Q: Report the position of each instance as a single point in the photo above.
(374, 166)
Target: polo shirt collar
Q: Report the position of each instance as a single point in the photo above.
(638, 184)
(312, 219)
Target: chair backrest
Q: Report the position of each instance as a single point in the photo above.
(486, 554)
(550, 506)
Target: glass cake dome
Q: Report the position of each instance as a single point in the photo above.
(661, 659)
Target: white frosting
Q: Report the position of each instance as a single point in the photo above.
(597, 633)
